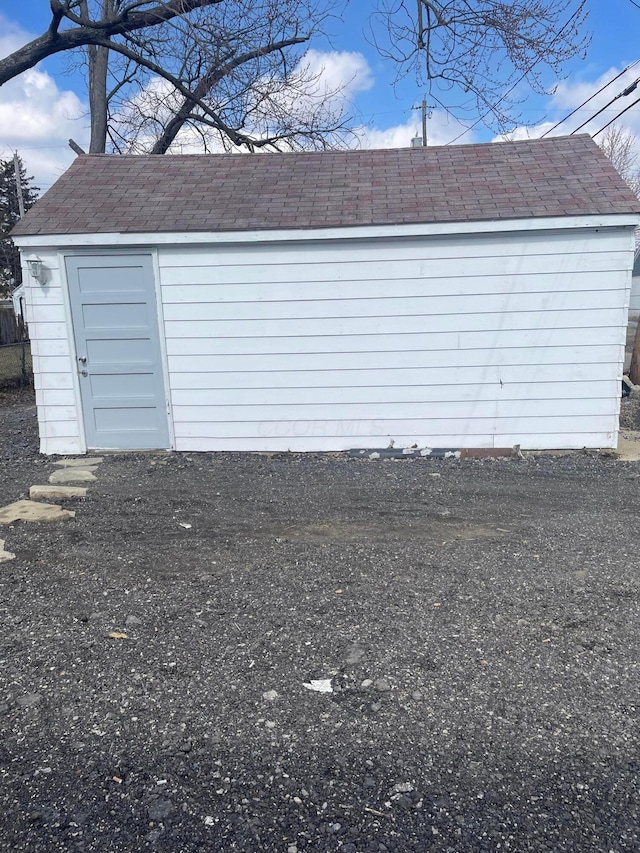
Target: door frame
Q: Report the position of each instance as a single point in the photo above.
(158, 313)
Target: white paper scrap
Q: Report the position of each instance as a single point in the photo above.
(320, 685)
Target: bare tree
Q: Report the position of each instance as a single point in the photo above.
(244, 79)
(233, 69)
(621, 147)
(473, 56)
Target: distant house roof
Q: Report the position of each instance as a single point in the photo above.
(561, 176)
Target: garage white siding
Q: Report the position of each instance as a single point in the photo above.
(59, 417)
(467, 341)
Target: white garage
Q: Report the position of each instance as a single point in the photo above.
(456, 297)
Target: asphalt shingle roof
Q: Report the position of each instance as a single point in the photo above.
(561, 176)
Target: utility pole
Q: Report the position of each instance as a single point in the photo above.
(16, 168)
(424, 122)
(424, 107)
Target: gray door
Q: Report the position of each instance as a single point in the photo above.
(113, 308)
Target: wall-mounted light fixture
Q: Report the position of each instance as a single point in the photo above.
(37, 271)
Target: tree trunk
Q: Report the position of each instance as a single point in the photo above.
(214, 75)
(98, 59)
(98, 68)
(174, 127)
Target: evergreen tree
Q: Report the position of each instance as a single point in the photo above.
(10, 275)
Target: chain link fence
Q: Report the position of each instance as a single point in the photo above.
(16, 369)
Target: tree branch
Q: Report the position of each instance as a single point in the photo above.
(236, 138)
(206, 83)
(54, 41)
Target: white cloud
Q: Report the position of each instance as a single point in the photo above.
(37, 117)
(441, 130)
(338, 74)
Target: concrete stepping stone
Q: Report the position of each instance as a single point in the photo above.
(5, 556)
(72, 475)
(56, 493)
(88, 462)
(32, 511)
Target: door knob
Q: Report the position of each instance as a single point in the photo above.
(82, 359)
(84, 373)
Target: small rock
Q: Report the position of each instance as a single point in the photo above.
(366, 683)
(160, 809)
(292, 848)
(29, 700)
(355, 654)
(382, 685)
(270, 695)
(403, 788)
(417, 696)
(132, 620)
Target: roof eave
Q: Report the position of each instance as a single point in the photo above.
(158, 238)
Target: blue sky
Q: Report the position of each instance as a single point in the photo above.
(39, 112)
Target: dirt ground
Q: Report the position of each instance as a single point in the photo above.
(478, 622)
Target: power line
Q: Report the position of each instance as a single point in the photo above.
(39, 147)
(622, 94)
(625, 110)
(590, 98)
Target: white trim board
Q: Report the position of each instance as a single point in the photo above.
(433, 229)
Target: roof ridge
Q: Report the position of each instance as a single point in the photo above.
(417, 151)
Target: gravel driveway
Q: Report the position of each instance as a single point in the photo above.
(478, 623)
